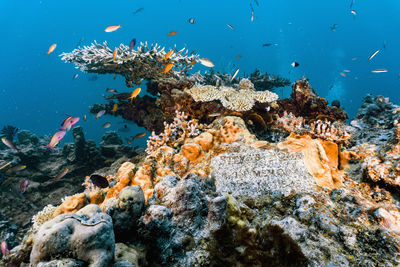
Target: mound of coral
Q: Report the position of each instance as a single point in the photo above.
(216, 195)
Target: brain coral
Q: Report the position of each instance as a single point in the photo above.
(242, 99)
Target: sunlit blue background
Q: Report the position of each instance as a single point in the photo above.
(37, 90)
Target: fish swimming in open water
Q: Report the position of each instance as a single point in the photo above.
(112, 28)
(51, 49)
(206, 62)
(100, 113)
(172, 33)
(373, 54)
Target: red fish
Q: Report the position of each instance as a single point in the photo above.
(3, 248)
(55, 140)
(23, 186)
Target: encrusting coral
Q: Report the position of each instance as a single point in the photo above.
(135, 65)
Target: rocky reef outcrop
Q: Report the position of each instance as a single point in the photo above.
(222, 197)
(41, 168)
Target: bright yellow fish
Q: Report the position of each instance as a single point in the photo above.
(167, 55)
(134, 94)
(112, 28)
(115, 107)
(51, 48)
(168, 68)
(115, 54)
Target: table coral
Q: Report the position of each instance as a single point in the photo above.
(241, 99)
(143, 63)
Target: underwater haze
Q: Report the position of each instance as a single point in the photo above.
(37, 90)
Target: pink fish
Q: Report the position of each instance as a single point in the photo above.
(55, 140)
(9, 144)
(68, 123)
(23, 186)
(343, 74)
(3, 248)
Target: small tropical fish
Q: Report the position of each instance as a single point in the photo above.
(230, 26)
(100, 113)
(99, 180)
(3, 248)
(234, 75)
(353, 12)
(192, 63)
(373, 54)
(106, 125)
(343, 74)
(132, 44)
(111, 90)
(238, 57)
(5, 165)
(112, 28)
(55, 140)
(75, 76)
(295, 64)
(168, 68)
(61, 175)
(138, 10)
(266, 44)
(16, 168)
(135, 93)
(115, 107)
(172, 33)
(129, 141)
(206, 62)
(140, 135)
(192, 21)
(23, 186)
(379, 71)
(347, 71)
(84, 117)
(9, 144)
(115, 54)
(115, 76)
(167, 55)
(333, 27)
(68, 123)
(252, 16)
(51, 49)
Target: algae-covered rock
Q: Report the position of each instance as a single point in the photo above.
(86, 236)
(130, 255)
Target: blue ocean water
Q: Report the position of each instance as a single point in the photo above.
(37, 90)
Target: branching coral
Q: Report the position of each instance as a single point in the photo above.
(326, 130)
(176, 132)
(43, 216)
(135, 65)
(241, 99)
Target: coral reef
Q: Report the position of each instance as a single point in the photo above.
(86, 236)
(242, 99)
(135, 65)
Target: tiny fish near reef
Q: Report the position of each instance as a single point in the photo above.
(99, 181)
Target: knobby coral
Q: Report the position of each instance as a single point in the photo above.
(143, 63)
(241, 99)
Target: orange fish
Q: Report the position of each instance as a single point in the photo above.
(192, 63)
(134, 94)
(112, 28)
(167, 55)
(115, 54)
(140, 135)
(84, 117)
(168, 68)
(115, 107)
(51, 48)
(115, 76)
(172, 33)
